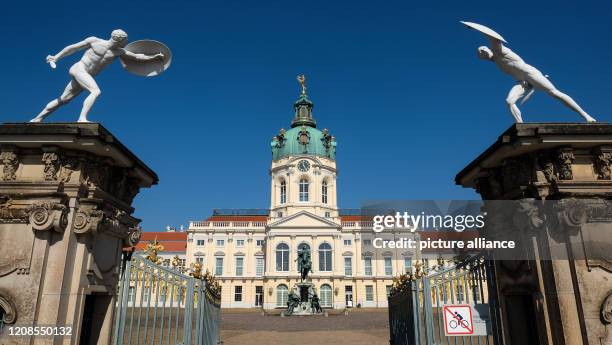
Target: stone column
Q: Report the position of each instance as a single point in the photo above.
(553, 301)
(66, 191)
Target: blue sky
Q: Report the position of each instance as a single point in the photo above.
(397, 82)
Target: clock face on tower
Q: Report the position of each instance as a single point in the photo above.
(303, 166)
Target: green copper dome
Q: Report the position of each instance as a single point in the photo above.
(303, 138)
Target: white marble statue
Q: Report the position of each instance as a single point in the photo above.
(99, 53)
(528, 77)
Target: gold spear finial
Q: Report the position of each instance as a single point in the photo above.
(302, 80)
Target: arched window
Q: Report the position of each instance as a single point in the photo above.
(282, 293)
(282, 257)
(283, 192)
(326, 296)
(324, 192)
(303, 190)
(304, 246)
(325, 257)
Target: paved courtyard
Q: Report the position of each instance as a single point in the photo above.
(361, 326)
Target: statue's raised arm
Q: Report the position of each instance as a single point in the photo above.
(528, 77)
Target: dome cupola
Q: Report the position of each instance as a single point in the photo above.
(303, 138)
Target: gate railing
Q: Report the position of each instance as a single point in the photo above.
(160, 305)
(416, 313)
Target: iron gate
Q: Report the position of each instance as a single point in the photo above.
(161, 305)
(416, 313)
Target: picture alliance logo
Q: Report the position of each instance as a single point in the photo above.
(423, 221)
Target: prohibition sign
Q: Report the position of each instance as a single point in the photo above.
(458, 320)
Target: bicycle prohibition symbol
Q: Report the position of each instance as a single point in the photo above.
(458, 320)
(454, 323)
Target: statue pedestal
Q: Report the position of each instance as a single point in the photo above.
(544, 301)
(66, 191)
(305, 290)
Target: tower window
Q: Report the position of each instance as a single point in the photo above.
(303, 190)
(283, 192)
(324, 192)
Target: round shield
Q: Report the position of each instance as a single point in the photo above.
(148, 68)
(485, 30)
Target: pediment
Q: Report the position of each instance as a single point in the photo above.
(219, 253)
(304, 219)
(347, 253)
(259, 253)
(238, 254)
(199, 253)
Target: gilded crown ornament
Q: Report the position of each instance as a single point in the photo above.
(152, 248)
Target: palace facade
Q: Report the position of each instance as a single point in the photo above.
(252, 252)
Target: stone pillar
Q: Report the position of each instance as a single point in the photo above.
(66, 191)
(554, 301)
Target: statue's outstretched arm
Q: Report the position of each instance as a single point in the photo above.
(74, 48)
(142, 57)
(496, 45)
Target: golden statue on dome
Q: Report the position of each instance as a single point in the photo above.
(302, 80)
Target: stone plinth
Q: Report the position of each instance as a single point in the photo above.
(553, 301)
(65, 214)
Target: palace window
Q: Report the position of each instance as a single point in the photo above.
(238, 293)
(367, 265)
(282, 257)
(369, 293)
(348, 266)
(200, 259)
(220, 243)
(347, 242)
(388, 266)
(283, 192)
(239, 267)
(259, 243)
(407, 265)
(303, 190)
(326, 296)
(259, 296)
(325, 257)
(240, 243)
(324, 192)
(282, 294)
(218, 266)
(367, 243)
(327, 214)
(259, 266)
(200, 242)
